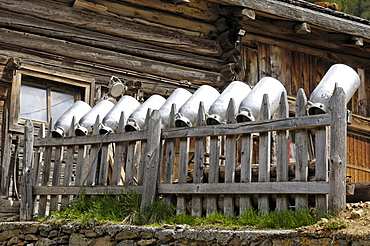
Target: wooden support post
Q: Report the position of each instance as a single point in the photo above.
(170, 156)
(119, 159)
(142, 144)
(94, 153)
(213, 172)
(152, 159)
(282, 153)
(39, 154)
(196, 205)
(230, 159)
(301, 136)
(26, 210)
(68, 168)
(183, 172)
(338, 129)
(264, 156)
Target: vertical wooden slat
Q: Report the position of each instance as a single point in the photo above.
(141, 157)
(118, 170)
(56, 176)
(69, 162)
(94, 154)
(45, 174)
(80, 166)
(321, 169)
(264, 156)
(153, 157)
(251, 65)
(282, 153)
(169, 156)
(183, 172)
(196, 205)
(39, 154)
(301, 169)
(338, 129)
(213, 172)
(26, 210)
(246, 169)
(104, 164)
(130, 162)
(230, 159)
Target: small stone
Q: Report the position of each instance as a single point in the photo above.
(126, 235)
(29, 229)
(103, 241)
(78, 240)
(53, 233)
(31, 237)
(235, 242)
(357, 214)
(147, 242)
(8, 234)
(146, 235)
(91, 233)
(13, 240)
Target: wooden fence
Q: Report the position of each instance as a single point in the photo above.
(218, 175)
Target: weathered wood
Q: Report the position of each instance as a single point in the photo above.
(264, 188)
(94, 154)
(130, 163)
(282, 171)
(104, 164)
(58, 158)
(264, 156)
(119, 158)
(291, 123)
(183, 171)
(169, 164)
(361, 194)
(110, 58)
(114, 26)
(165, 20)
(6, 141)
(88, 190)
(230, 158)
(338, 130)
(321, 167)
(301, 174)
(246, 169)
(26, 210)
(302, 28)
(142, 163)
(39, 155)
(153, 157)
(45, 173)
(213, 174)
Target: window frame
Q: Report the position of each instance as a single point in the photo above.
(57, 79)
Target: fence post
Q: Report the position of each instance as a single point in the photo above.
(152, 159)
(338, 130)
(26, 209)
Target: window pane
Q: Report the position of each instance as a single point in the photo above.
(60, 102)
(33, 103)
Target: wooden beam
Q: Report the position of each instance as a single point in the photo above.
(109, 58)
(302, 14)
(105, 24)
(47, 28)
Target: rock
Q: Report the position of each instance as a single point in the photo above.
(357, 214)
(31, 237)
(78, 240)
(8, 234)
(91, 233)
(235, 242)
(126, 235)
(103, 241)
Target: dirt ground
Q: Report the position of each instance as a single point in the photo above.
(354, 220)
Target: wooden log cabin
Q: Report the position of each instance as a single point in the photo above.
(58, 51)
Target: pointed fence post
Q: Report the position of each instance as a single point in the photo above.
(152, 159)
(118, 172)
(338, 130)
(26, 210)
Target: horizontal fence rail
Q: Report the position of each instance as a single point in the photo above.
(204, 169)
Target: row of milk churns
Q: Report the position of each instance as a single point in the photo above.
(247, 102)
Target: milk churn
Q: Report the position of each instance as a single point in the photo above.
(127, 104)
(188, 112)
(345, 76)
(63, 124)
(136, 120)
(249, 109)
(217, 112)
(86, 123)
(178, 97)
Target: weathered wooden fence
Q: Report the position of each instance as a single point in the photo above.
(160, 162)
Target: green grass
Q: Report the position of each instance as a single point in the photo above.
(125, 208)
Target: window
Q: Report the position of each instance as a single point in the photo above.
(40, 94)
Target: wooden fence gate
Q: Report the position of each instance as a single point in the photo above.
(218, 175)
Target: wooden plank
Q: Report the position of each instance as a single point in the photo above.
(246, 169)
(119, 155)
(282, 160)
(250, 58)
(291, 123)
(301, 169)
(106, 41)
(200, 142)
(114, 26)
(54, 200)
(153, 157)
(110, 58)
(94, 155)
(6, 142)
(45, 174)
(169, 164)
(80, 167)
(265, 188)
(304, 14)
(104, 164)
(363, 100)
(183, 173)
(130, 163)
(230, 159)
(153, 17)
(338, 129)
(88, 190)
(321, 167)
(213, 172)
(140, 155)
(264, 156)
(39, 155)
(27, 202)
